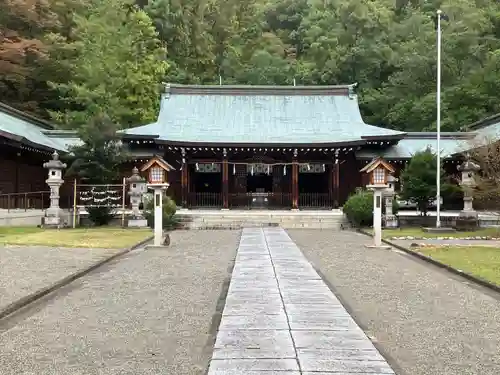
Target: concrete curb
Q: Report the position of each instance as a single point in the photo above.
(26, 300)
(468, 276)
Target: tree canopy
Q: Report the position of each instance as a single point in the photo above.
(73, 58)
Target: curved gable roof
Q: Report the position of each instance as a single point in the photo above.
(260, 115)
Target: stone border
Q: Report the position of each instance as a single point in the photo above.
(26, 300)
(473, 238)
(476, 279)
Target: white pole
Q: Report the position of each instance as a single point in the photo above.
(377, 217)
(158, 216)
(438, 123)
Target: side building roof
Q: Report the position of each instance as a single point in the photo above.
(26, 129)
(260, 115)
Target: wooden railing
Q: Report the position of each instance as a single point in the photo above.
(316, 200)
(204, 200)
(35, 200)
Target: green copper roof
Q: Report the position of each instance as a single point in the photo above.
(24, 128)
(260, 115)
(450, 144)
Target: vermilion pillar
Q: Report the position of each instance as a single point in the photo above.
(225, 181)
(335, 183)
(295, 181)
(184, 181)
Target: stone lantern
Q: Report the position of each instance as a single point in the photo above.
(378, 171)
(389, 218)
(468, 218)
(137, 189)
(157, 170)
(55, 167)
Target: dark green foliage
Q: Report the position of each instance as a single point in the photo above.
(100, 216)
(419, 181)
(170, 221)
(111, 55)
(96, 161)
(359, 208)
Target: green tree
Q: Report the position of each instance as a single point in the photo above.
(419, 180)
(98, 158)
(114, 62)
(23, 52)
(183, 26)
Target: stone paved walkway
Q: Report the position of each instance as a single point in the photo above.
(281, 318)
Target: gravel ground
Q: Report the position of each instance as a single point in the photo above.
(148, 313)
(24, 270)
(424, 320)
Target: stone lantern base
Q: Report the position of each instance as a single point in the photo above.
(55, 220)
(137, 222)
(390, 221)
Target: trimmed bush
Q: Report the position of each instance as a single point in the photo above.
(170, 221)
(359, 208)
(100, 216)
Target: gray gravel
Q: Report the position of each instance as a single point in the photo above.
(24, 270)
(150, 313)
(424, 320)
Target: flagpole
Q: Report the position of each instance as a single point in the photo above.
(438, 123)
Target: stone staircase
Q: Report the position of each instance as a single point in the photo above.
(228, 219)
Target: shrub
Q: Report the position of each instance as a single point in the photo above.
(170, 221)
(100, 216)
(359, 208)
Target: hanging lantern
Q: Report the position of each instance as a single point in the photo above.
(324, 169)
(284, 170)
(234, 169)
(268, 169)
(308, 167)
(251, 170)
(197, 167)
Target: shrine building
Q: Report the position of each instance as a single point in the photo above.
(240, 147)
(284, 147)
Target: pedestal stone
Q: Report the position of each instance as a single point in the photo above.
(53, 214)
(468, 218)
(137, 189)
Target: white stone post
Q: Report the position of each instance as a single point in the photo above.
(377, 217)
(158, 226)
(158, 190)
(52, 214)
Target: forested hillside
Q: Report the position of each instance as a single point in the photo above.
(69, 59)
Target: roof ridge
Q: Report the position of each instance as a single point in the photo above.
(179, 89)
(487, 121)
(25, 116)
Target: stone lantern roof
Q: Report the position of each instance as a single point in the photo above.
(55, 163)
(135, 176)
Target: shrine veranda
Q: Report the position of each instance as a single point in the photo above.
(239, 147)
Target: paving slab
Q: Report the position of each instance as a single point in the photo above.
(281, 318)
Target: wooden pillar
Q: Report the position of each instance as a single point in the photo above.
(184, 180)
(335, 183)
(295, 181)
(225, 181)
